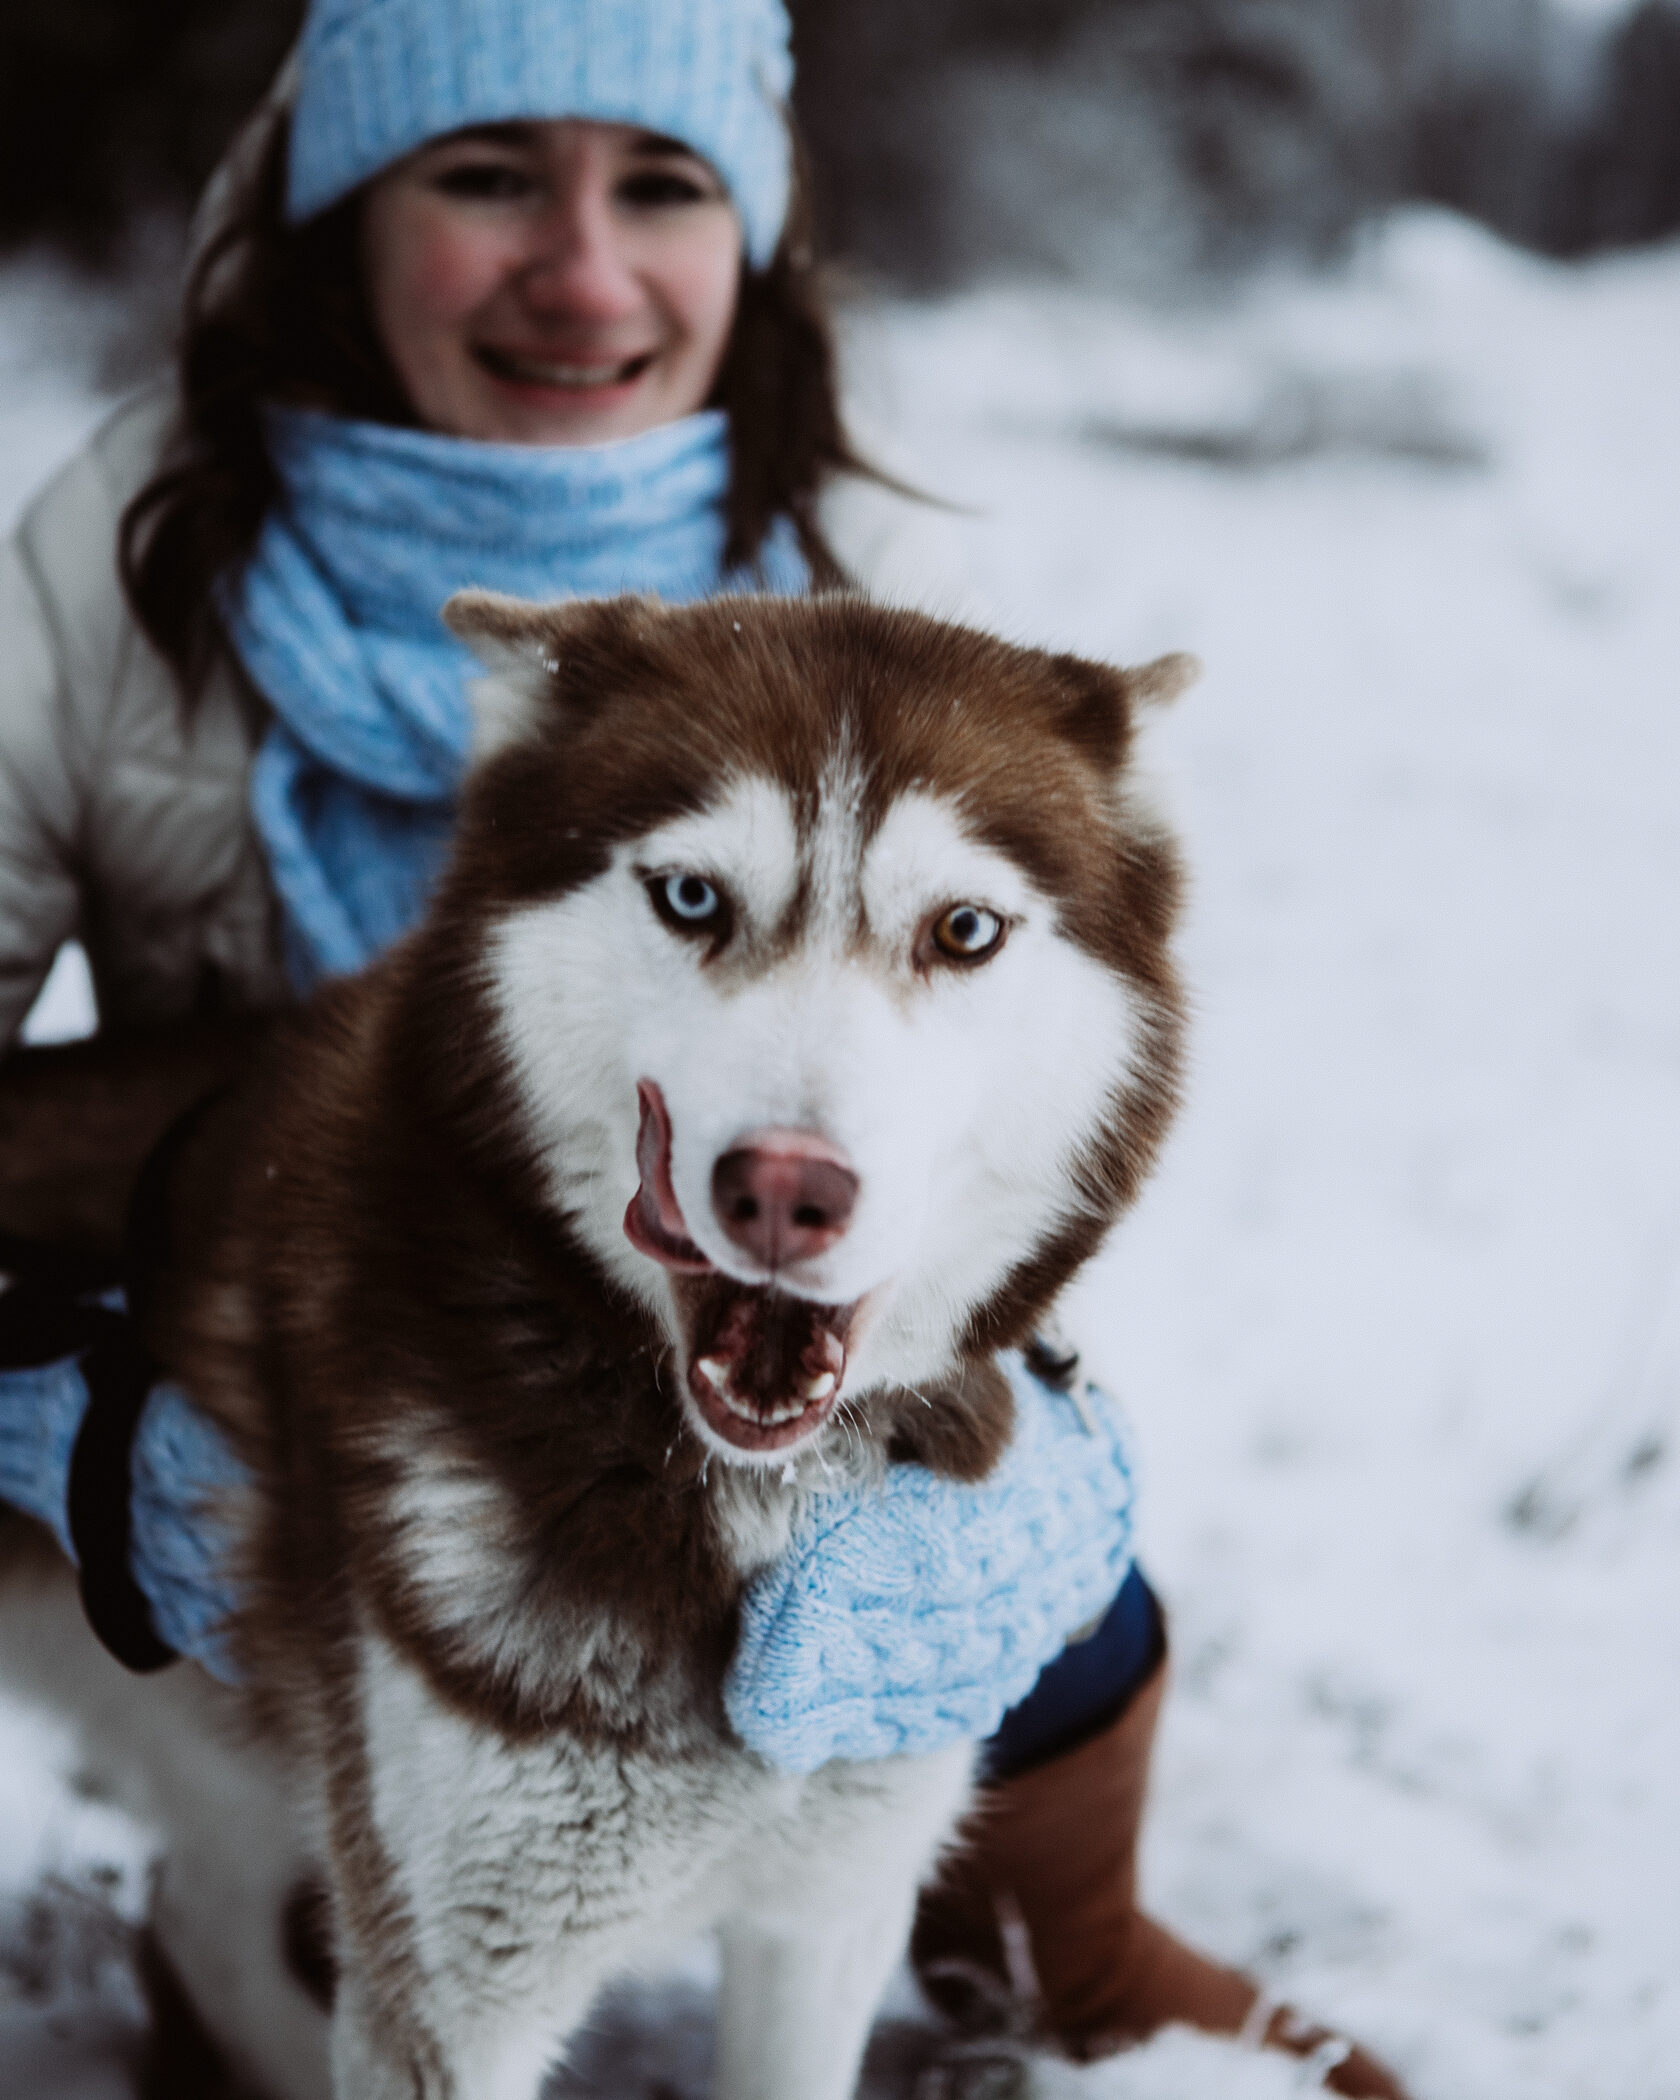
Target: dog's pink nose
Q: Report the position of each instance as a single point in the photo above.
(783, 1195)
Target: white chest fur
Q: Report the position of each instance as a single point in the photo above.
(527, 1874)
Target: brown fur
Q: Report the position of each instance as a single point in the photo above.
(365, 1255)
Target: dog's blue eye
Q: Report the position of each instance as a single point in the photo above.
(967, 932)
(687, 900)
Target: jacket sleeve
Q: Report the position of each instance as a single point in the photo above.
(40, 798)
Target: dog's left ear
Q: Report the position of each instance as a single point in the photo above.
(1104, 700)
(1156, 684)
(528, 649)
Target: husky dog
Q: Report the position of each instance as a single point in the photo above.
(794, 1018)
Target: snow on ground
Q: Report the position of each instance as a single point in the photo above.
(1400, 1318)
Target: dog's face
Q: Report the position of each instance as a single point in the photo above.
(826, 949)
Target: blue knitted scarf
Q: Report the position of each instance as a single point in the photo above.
(335, 617)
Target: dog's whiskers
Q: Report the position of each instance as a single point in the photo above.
(845, 1417)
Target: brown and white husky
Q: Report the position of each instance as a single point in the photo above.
(794, 1018)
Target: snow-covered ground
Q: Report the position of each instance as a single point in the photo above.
(1400, 1318)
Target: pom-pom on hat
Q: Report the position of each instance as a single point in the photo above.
(377, 78)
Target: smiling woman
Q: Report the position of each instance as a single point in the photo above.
(559, 283)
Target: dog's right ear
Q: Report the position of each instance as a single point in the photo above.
(527, 649)
(1101, 702)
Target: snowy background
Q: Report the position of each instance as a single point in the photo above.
(1399, 1320)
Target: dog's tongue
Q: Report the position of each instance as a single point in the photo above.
(654, 1222)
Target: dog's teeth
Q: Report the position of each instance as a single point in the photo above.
(715, 1371)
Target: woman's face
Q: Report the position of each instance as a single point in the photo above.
(552, 283)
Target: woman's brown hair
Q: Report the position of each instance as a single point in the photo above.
(275, 312)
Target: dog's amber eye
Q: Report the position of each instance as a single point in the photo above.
(968, 933)
(688, 903)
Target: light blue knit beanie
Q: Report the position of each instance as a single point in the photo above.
(377, 78)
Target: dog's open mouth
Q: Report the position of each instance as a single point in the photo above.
(764, 1367)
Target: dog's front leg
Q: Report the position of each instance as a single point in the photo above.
(483, 1891)
(432, 2055)
(795, 2006)
(823, 1913)
(372, 2058)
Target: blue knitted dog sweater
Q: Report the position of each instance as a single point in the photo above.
(912, 1614)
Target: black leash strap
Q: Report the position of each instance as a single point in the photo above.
(1053, 1363)
(119, 1376)
(44, 1317)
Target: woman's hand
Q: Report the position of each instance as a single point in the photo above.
(77, 1121)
